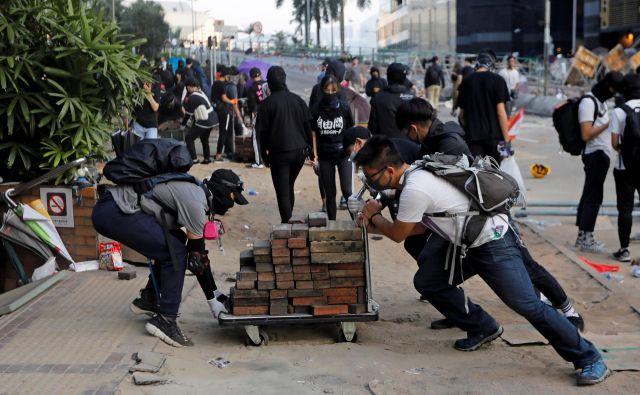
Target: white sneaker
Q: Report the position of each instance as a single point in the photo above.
(590, 244)
(257, 166)
(217, 308)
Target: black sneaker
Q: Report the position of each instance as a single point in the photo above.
(441, 324)
(423, 299)
(473, 342)
(166, 329)
(206, 161)
(622, 255)
(343, 203)
(145, 304)
(577, 321)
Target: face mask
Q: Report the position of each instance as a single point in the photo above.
(352, 156)
(220, 198)
(413, 132)
(601, 91)
(164, 65)
(330, 100)
(376, 184)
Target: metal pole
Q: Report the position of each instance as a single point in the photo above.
(193, 23)
(547, 44)
(331, 37)
(212, 65)
(574, 25)
(113, 10)
(307, 25)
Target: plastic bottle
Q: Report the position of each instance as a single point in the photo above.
(252, 192)
(613, 276)
(635, 271)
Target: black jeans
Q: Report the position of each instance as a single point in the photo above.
(225, 135)
(285, 167)
(328, 180)
(484, 148)
(596, 166)
(203, 135)
(626, 187)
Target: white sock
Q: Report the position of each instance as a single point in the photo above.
(569, 311)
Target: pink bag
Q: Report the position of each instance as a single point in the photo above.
(213, 229)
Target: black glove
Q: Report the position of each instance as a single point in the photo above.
(198, 262)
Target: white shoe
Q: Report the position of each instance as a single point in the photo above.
(257, 166)
(217, 308)
(590, 244)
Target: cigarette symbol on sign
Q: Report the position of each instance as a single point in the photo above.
(56, 204)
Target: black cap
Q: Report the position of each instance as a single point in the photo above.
(254, 72)
(350, 135)
(192, 82)
(230, 180)
(224, 71)
(396, 73)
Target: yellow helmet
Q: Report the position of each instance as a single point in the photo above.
(539, 170)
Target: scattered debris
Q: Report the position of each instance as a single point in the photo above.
(127, 275)
(219, 362)
(147, 361)
(415, 371)
(141, 378)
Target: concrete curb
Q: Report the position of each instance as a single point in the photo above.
(537, 105)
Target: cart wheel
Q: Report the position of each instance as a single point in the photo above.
(255, 336)
(347, 332)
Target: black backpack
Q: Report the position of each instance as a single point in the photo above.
(630, 144)
(566, 123)
(433, 75)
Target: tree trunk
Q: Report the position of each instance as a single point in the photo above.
(342, 25)
(318, 21)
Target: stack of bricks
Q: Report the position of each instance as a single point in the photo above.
(305, 268)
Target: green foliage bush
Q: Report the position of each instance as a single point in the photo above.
(65, 72)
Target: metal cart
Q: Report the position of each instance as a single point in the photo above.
(254, 324)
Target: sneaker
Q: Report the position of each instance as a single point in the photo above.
(166, 329)
(579, 239)
(206, 161)
(590, 244)
(195, 161)
(423, 299)
(218, 158)
(441, 324)
(622, 255)
(219, 305)
(343, 203)
(257, 166)
(473, 342)
(593, 373)
(577, 321)
(145, 304)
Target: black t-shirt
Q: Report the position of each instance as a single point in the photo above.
(329, 123)
(466, 71)
(407, 149)
(145, 115)
(479, 95)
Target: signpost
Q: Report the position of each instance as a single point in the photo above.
(59, 206)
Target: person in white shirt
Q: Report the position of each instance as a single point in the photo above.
(627, 183)
(594, 122)
(511, 76)
(494, 255)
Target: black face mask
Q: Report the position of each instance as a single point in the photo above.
(220, 197)
(330, 100)
(601, 91)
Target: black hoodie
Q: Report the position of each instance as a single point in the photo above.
(446, 138)
(337, 69)
(384, 104)
(283, 118)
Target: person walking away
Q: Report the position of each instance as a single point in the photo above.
(145, 124)
(511, 76)
(482, 97)
(434, 82)
(375, 83)
(382, 119)
(627, 181)
(200, 117)
(355, 76)
(256, 94)
(329, 119)
(285, 138)
(229, 105)
(456, 80)
(594, 121)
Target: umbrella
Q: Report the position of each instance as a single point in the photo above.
(17, 232)
(247, 65)
(45, 229)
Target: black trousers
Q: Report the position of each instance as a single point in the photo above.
(203, 135)
(596, 166)
(285, 167)
(226, 134)
(626, 187)
(328, 181)
(484, 148)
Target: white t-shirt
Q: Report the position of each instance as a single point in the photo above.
(586, 111)
(511, 77)
(424, 193)
(617, 125)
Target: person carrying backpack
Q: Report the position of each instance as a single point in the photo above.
(593, 117)
(625, 138)
(434, 82)
(256, 94)
(200, 118)
(431, 201)
(153, 199)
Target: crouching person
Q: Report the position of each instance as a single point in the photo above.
(494, 254)
(151, 224)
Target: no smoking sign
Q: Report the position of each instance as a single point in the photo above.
(56, 204)
(59, 204)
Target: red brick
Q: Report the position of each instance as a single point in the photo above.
(346, 273)
(278, 293)
(304, 284)
(300, 260)
(284, 276)
(278, 307)
(250, 301)
(300, 230)
(264, 267)
(347, 266)
(285, 284)
(281, 231)
(321, 284)
(281, 260)
(264, 285)
(84, 230)
(249, 293)
(297, 243)
(246, 258)
(347, 282)
(250, 310)
(283, 268)
(262, 247)
(320, 276)
(302, 276)
(280, 252)
(329, 310)
(308, 301)
(246, 276)
(279, 243)
(303, 293)
(267, 276)
(297, 220)
(341, 292)
(300, 252)
(245, 284)
(319, 269)
(262, 259)
(357, 308)
(301, 309)
(342, 299)
(302, 269)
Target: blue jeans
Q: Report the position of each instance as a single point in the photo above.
(145, 133)
(499, 264)
(145, 235)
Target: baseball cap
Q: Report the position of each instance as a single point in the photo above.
(254, 72)
(396, 73)
(232, 181)
(350, 135)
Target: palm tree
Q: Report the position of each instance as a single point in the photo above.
(280, 39)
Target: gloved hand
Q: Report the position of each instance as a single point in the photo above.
(198, 262)
(505, 150)
(355, 204)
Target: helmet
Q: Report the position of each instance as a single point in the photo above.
(539, 170)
